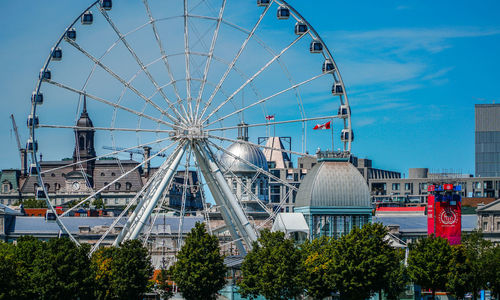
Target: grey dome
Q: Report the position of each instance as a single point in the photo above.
(248, 153)
(333, 184)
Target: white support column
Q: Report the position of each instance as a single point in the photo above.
(136, 222)
(219, 200)
(227, 199)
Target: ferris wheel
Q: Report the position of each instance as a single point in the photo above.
(185, 77)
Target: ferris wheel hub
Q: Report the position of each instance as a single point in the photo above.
(191, 132)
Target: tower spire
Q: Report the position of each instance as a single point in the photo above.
(84, 104)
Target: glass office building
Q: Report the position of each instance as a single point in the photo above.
(487, 140)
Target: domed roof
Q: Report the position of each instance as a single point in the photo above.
(247, 152)
(333, 184)
(84, 120)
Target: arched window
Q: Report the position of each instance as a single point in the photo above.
(128, 186)
(57, 186)
(35, 186)
(81, 142)
(47, 187)
(118, 186)
(105, 184)
(52, 175)
(102, 174)
(113, 174)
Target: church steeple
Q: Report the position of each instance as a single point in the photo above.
(84, 140)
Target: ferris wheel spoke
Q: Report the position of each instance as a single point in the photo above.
(186, 59)
(277, 56)
(106, 128)
(253, 166)
(112, 104)
(162, 50)
(201, 186)
(119, 177)
(259, 146)
(210, 55)
(270, 97)
(275, 123)
(105, 155)
(138, 60)
(127, 208)
(248, 190)
(235, 59)
(121, 80)
(183, 197)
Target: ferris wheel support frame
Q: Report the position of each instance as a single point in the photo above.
(223, 195)
(136, 222)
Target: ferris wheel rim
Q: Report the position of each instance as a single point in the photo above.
(326, 52)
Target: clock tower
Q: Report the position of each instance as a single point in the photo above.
(84, 143)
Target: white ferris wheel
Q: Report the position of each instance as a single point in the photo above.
(183, 77)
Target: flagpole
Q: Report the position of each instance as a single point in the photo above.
(331, 127)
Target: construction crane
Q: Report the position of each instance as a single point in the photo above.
(19, 147)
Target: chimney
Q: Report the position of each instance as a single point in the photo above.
(147, 166)
(24, 162)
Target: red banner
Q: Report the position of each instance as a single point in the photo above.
(448, 219)
(430, 214)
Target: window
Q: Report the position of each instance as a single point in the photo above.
(128, 186)
(485, 226)
(118, 186)
(498, 226)
(6, 187)
(102, 174)
(408, 186)
(395, 186)
(116, 201)
(113, 174)
(105, 184)
(52, 175)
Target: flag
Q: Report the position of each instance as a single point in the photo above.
(322, 126)
(270, 118)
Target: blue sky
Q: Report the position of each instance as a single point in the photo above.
(413, 72)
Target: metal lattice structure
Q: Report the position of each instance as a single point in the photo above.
(179, 76)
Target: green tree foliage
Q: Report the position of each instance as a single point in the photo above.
(98, 203)
(121, 272)
(460, 272)
(131, 270)
(272, 269)
(28, 248)
(199, 271)
(59, 269)
(363, 262)
(429, 263)
(397, 280)
(62, 271)
(317, 260)
(468, 265)
(493, 270)
(8, 276)
(32, 203)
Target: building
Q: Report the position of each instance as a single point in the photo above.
(333, 197)
(489, 220)
(413, 190)
(487, 140)
(75, 178)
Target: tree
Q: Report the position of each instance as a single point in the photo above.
(273, 268)
(121, 272)
(397, 281)
(429, 263)
(8, 274)
(61, 270)
(199, 271)
(102, 271)
(131, 268)
(460, 272)
(362, 262)
(317, 259)
(28, 248)
(493, 270)
(98, 203)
